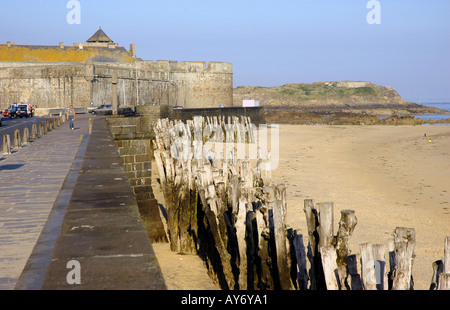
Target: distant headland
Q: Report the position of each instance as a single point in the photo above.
(322, 102)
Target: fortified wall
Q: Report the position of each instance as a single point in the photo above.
(171, 83)
(81, 75)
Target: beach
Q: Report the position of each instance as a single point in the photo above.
(392, 176)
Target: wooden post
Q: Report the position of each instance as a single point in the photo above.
(367, 267)
(240, 226)
(392, 263)
(355, 282)
(438, 267)
(312, 221)
(265, 277)
(328, 254)
(326, 221)
(225, 257)
(380, 266)
(446, 259)
(373, 266)
(444, 281)
(444, 277)
(405, 241)
(280, 243)
(346, 226)
(300, 255)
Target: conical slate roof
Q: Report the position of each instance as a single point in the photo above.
(100, 37)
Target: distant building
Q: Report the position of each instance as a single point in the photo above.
(250, 103)
(80, 74)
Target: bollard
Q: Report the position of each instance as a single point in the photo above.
(91, 124)
(41, 129)
(34, 132)
(17, 142)
(26, 136)
(46, 127)
(6, 144)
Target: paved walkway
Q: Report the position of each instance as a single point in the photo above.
(30, 181)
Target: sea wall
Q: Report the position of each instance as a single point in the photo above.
(162, 83)
(132, 136)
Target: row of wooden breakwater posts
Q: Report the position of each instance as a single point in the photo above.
(22, 139)
(230, 213)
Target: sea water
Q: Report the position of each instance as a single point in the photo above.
(439, 105)
(442, 106)
(438, 117)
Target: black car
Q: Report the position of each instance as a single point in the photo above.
(20, 111)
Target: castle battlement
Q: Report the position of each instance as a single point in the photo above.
(55, 76)
(189, 66)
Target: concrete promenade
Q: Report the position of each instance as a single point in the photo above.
(30, 182)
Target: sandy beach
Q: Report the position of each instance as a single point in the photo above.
(390, 175)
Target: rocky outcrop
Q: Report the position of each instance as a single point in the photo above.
(324, 96)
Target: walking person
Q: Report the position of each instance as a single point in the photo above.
(71, 117)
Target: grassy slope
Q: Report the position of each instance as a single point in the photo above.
(319, 94)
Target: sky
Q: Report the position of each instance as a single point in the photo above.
(269, 43)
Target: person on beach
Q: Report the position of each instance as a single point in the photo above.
(71, 117)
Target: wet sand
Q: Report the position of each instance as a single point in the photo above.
(390, 175)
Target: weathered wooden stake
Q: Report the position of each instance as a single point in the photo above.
(444, 281)
(438, 267)
(328, 254)
(280, 243)
(346, 226)
(446, 259)
(240, 226)
(367, 267)
(326, 224)
(300, 255)
(405, 241)
(354, 279)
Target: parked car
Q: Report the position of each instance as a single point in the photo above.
(177, 107)
(104, 109)
(6, 113)
(18, 112)
(22, 111)
(27, 107)
(12, 112)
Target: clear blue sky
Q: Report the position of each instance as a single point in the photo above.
(270, 43)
